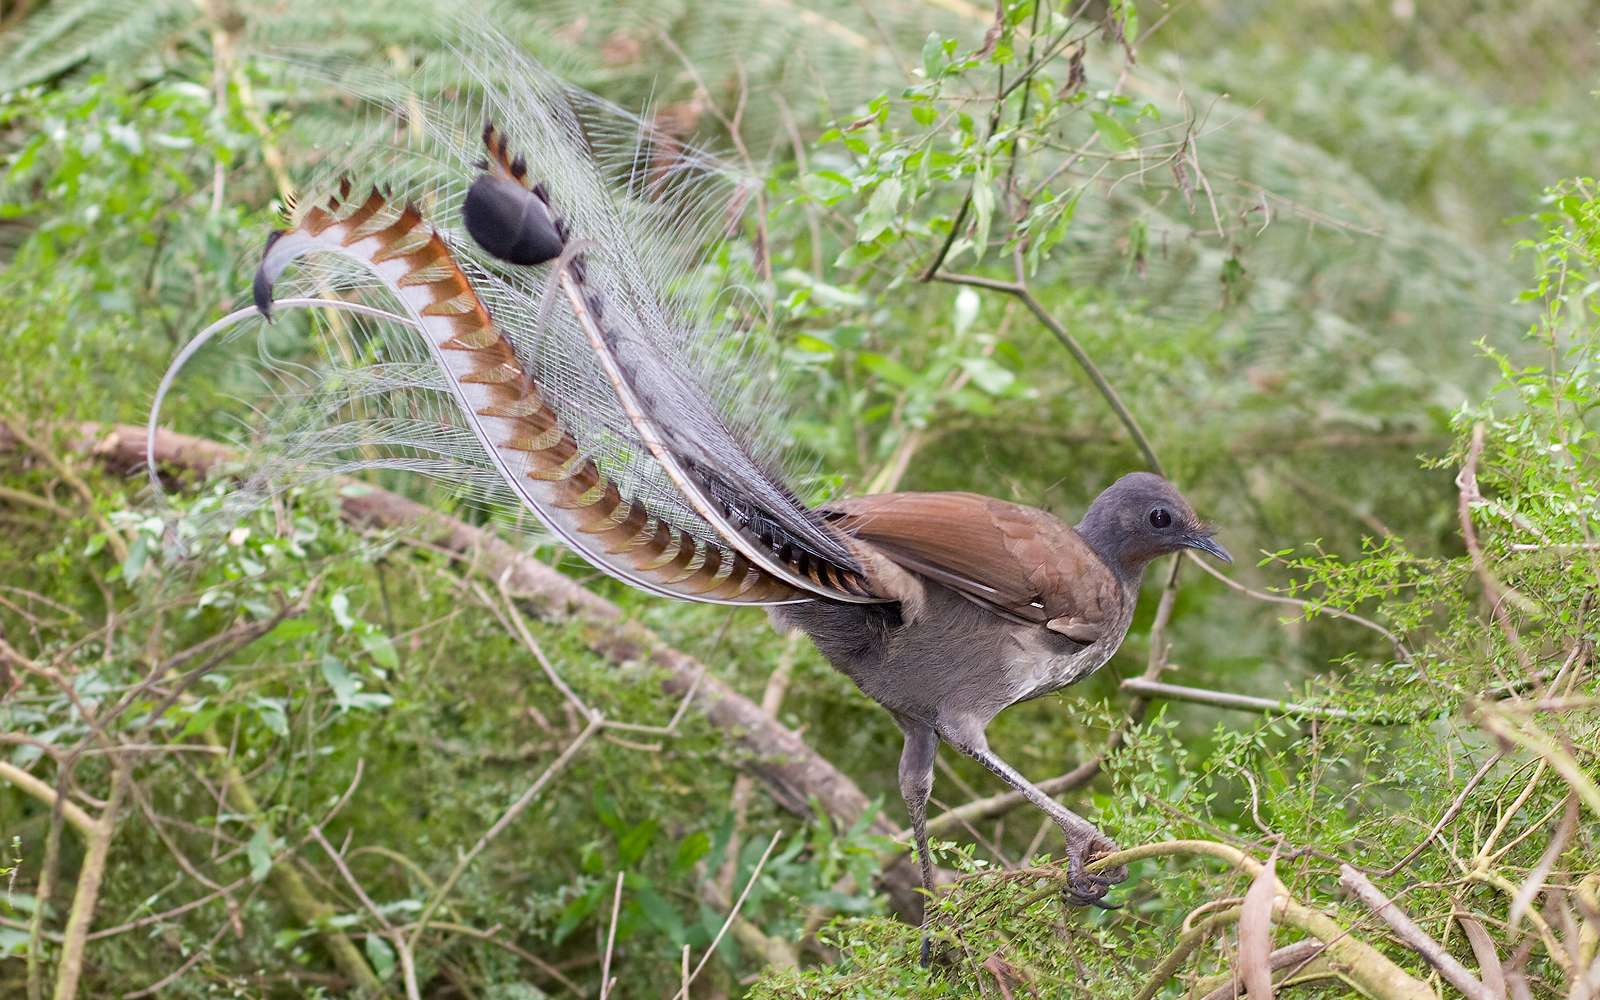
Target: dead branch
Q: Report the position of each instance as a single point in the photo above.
(1411, 935)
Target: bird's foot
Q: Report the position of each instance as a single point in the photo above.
(1085, 888)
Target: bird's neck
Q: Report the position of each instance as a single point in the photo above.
(1100, 531)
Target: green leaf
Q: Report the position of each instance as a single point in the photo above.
(339, 604)
(381, 954)
(887, 369)
(633, 844)
(340, 680)
(575, 912)
(967, 302)
(690, 849)
(270, 712)
(380, 649)
(933, 56)
(881, 211)
(982, 209)
(660, 913)
(259, 854)
(138, 552)
(1112, 132)
(989, 375)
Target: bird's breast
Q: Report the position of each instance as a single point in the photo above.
(1044, 661)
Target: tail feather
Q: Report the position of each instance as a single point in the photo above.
(535, 453)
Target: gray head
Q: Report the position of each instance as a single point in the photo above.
(1142, 516)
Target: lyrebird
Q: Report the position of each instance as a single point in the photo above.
(535, 251)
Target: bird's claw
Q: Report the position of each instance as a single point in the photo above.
(1085, 888)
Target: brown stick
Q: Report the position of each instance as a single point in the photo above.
(1413, 936)
(76, 817)
(69, 967)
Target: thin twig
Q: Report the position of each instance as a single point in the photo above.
(683, 991)
(1399, 647)
(1081, 356)
(611, 940)
(408, 965)
(1444, 820)
(1250, 703)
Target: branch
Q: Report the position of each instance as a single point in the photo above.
(1294, 957)
(1366, 967)
(1250, 702)
(1081, 356)
(86, 894)
(1311, 609)
(1413, 936)
(77, 818)
(1188, 941)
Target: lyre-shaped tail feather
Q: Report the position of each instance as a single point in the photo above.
(536, 455)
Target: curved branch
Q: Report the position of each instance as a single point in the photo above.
(76, 817)
(1370, 971)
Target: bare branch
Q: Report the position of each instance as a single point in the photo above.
(1413, 936)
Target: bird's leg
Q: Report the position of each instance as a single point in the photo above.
(1084, 841)
(916, 784)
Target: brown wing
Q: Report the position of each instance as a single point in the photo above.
(1019, 561)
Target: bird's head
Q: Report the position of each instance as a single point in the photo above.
(1140, 517)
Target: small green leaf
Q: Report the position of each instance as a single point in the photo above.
(988, 375)
(661, 914)
(380, 649)
(259, 853)
(933, 55)
(339, 604)
(381, 954)
(633, 844)
(982, 209)
(881, 211)
(270, 712)
(690, 849)
(888, 369)
(340, 680)
(1112, 132)
(967, 302)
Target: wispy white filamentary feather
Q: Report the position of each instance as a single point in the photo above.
(613, 391)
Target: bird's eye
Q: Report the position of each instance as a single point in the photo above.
(1160, 518)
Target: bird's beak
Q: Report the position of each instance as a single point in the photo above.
(1207, 544)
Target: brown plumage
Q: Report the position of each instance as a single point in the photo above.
(1021, 563)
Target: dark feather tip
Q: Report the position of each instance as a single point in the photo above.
(261, 288)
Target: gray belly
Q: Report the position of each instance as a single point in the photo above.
(956, 661)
